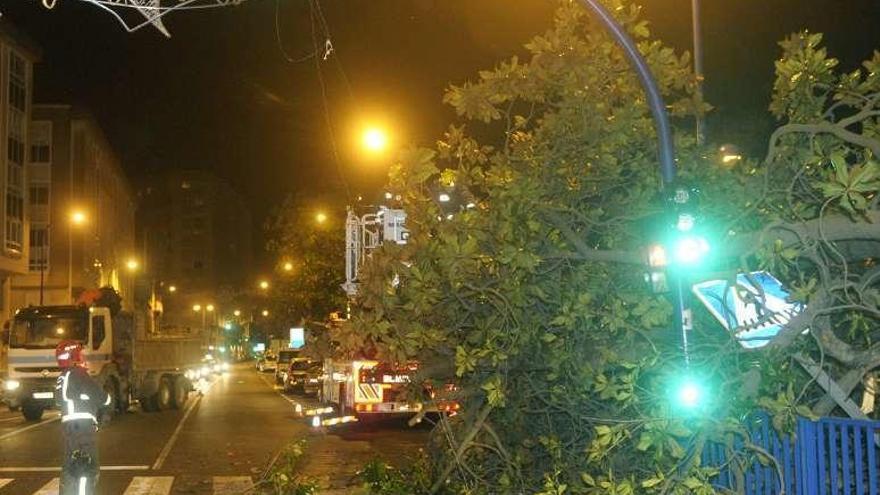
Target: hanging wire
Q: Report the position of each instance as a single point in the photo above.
(281, 44)
(313, 16)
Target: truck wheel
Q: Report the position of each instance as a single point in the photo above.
(164, 394)
(32, 412)
(148, 404)
(123, 401)
(111, 389)
(181, 392)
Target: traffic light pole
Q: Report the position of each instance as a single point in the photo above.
(666, 151)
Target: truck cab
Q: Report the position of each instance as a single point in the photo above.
(33, 335)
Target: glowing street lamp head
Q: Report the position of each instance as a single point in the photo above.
(288, 266)
(237, 312)
(265, 312)
(321, 217)
(264, 285)
(172, 288)
(197, 307)
(209, 307)
(77, 217)
(132, 264)
(375, 139)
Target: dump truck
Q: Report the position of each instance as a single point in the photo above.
(156, 371)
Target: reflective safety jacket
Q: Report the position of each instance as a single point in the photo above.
(78, 395)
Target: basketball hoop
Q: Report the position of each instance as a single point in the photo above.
(135, 14)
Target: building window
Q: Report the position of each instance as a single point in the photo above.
(14, 221)
(39, 195)
(41, 142)
(39, 259)
(18, 97)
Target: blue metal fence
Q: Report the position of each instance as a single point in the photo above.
(832, 456)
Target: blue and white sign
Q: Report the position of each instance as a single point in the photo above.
(297, 338)
(753, 309)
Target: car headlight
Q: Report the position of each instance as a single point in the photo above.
(11, 385)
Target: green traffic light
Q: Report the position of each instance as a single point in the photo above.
(688, 395)
(690, 249)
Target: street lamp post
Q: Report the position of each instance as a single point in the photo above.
(77, 217)
(666, 150)
(698, 69)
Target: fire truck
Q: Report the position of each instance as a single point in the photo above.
(365, 388)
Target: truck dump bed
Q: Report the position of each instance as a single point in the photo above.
(155, 352)
(166, 354)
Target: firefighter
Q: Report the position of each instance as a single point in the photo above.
(80, 399)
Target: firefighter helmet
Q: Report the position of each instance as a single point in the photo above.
(69, 353)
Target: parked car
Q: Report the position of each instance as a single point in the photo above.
(284, 359)
(268, 363)
(303, 376)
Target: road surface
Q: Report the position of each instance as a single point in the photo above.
(220, 443)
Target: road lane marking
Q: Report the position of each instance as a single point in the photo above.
(232, 485)
(28, 428)
(47, 469)
(170, 443)
(50, 488)
(5, 481)
(150, 485)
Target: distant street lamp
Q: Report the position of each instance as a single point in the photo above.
(265, 312)
(288, 266)
(210, 308)
(197, 307)
(264, 285)
(172, 288)
(237, 312)
(321, 217)
(132, 264)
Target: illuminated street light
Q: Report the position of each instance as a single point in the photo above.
(375, 139)
(288, 266)
(197, 307)
(132, 264)
(227, 326)
(237, 312)
(264, 285)
(172, 288)
(209, 307)
(77, 217)
(265, 312)
(321, 217)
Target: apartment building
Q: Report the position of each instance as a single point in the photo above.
(81, 209)
(17, 57)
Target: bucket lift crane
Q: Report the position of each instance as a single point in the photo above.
(364, 233)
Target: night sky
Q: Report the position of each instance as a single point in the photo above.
(221, 96)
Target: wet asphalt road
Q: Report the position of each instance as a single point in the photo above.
(230, 433)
